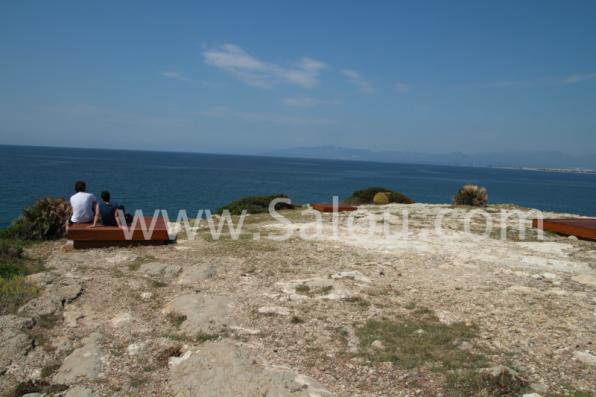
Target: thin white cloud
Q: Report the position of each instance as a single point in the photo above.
(576, 78)
(306, 102)
(264, 117)
(175, 76)
(356, 79)
(258, 73)
(565, 80)
(402, 87)
(505, 83)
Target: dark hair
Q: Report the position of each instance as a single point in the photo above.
(80, 186)
(105, 196)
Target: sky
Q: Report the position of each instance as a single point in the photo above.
(251, 77)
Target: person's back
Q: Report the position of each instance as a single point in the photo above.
(107, 212)
(82, 204)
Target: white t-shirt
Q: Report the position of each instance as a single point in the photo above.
(82, 207)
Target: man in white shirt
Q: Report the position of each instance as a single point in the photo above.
(82, 204)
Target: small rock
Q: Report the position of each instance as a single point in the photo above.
(120, 257)
(505, 375)
(245, 331)
(354, 275)
(146, 296)
(197, 273)
(446, 317)
(531, 395)
(586, 279)
(378, 344)
(157, 268)
(274, 310)
(538, 387)
(71, 317)
(550, 276)
(524, 289)
(556, 291)
(78, 391)
(465, 345)
(174, 361)
(120, 319)
(585, 357)
(499, 370)
(135, 348)
(572, 237)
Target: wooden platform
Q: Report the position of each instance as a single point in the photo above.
(108, 236)
(325, 207)
(584, 228)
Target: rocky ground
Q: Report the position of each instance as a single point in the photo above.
(350, 314)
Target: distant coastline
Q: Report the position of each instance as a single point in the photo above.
(561, 170)
(526, 160)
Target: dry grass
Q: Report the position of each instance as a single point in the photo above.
(417, 340)
(136, 264)
(304, 289)
(472, 383)
(176, 319)
(15, 292)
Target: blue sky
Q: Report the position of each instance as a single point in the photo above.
(249, 77)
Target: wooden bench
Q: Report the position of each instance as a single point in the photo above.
(584, 228)
(109, 236)
(324, 207)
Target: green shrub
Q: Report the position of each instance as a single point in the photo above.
(10, 249)
(14, 263)
(381, 198)
(255, 204)
(473, 195)
(366, 196)
(10, 270)
(44, 220)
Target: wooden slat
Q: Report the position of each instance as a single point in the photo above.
(584, 228)
(86, 244)
(325, 207)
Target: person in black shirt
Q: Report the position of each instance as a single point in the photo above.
(107, 211)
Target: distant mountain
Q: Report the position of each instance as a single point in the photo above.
(544, 159)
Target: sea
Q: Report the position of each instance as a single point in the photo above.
(172, 180)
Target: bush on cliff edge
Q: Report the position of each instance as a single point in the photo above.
(473, 195)
(44, 220)
(254, 204)
(366, 196)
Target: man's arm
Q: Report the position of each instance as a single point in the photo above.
(96, 218)
(117, 216)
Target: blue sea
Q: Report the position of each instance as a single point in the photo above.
(173, 181)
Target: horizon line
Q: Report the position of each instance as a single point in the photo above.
(329, 159)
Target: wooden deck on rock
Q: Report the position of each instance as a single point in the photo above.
(324, 207)
(108, 236)
(584, 228)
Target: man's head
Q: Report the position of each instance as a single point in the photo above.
(80, 186)
(105, 196)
